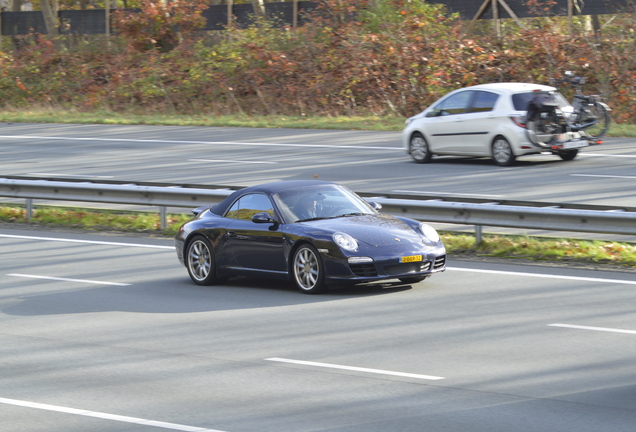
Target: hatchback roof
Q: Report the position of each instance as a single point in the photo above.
(512, 87)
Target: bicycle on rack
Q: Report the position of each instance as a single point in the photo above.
(552, 121)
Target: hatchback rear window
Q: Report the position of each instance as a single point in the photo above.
(520, 100)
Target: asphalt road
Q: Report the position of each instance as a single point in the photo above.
(103, 333)
(364, 161)
(108, 334)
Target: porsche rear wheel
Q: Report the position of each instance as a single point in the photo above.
(200, 261)
(308, 270)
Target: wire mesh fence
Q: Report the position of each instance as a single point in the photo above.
(93, 21)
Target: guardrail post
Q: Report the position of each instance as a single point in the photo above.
(29, 209)
(478, 237)
(163, 216)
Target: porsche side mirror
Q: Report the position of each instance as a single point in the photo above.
(376, 206)
(263, 217)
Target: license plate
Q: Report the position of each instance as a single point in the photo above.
(575, 144)
(412, 258)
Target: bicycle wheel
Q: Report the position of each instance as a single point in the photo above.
(598, 112)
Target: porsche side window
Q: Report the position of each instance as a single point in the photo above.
(247, 206)
(484, 101)
(455, 104)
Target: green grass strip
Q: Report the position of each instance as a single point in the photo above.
(372, 123)
(100, 220)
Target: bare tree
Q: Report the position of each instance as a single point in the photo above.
(259, 8)
(49, 10)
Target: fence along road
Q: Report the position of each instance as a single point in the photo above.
(93, 21)
(527, 215)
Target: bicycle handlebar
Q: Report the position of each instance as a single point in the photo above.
(570, 78)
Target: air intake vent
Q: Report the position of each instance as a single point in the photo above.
(440, 262)
(364, 270)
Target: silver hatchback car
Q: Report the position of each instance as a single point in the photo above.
(486, 120)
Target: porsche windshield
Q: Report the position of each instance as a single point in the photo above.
(319, 202)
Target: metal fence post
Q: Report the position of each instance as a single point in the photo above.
(29, 209)
(163, 216)
(478, 237)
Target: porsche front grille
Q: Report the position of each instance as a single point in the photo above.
(364, 270)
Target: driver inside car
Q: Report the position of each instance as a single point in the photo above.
(309, 207)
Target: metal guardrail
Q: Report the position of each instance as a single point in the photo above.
(130, 193)
(113, 193)
(525, 215)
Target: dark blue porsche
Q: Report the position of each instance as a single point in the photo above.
(313, 232)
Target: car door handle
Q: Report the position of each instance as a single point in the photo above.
(231, 234)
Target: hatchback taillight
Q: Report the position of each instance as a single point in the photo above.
(519, 121)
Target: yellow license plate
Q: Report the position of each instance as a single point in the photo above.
(412, 258)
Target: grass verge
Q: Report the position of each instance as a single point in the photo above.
(554, 250)
(102, 220)
(57, 115)
(373, 123)
(500, 246)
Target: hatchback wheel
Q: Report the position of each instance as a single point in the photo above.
(308, 270)
(200, 261)
(568, 155)
(419, 148)
(502, 152)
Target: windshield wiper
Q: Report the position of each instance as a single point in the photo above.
(313, 219)
(352, 214)
(332, 217)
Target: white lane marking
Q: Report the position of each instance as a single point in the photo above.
(607, 155)
(87, 241)
(70, 175)
(234, 143)
(445, 193)
(603, 329)
(353, 368)
(603, 176)
(68, 280)
(541, 275)
(105, 416)
(230, 161)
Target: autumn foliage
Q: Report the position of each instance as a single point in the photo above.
(392, 58)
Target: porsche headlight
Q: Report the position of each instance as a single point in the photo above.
(429, 233)
(345, 241)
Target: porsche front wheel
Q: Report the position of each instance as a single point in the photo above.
(200, 261)
(308, 270)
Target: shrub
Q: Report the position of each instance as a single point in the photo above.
(393, 57)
